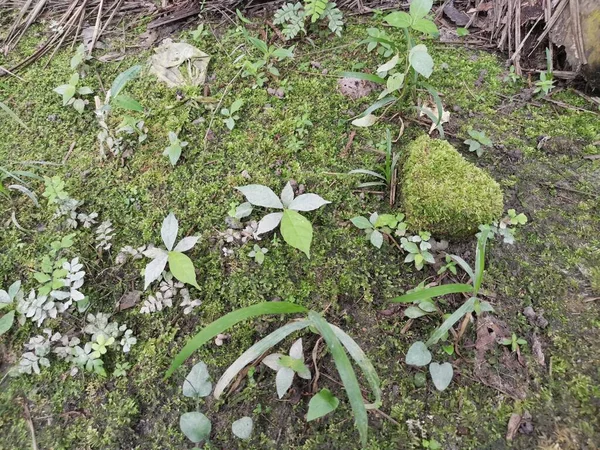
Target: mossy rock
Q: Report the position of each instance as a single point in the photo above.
(445, 194)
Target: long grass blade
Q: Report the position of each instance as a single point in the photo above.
(435, 291)
(12, 115)
(480, 259)
(466, 307)
(227, 321)
(255, 351)
(26, 191)
(363, 76)
(366, 172)
(346, 372)
(464, 265)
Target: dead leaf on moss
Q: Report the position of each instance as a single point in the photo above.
(355, 88)
(513, 426)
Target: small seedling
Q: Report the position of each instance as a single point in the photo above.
(512, 76)
(288, 366)
(258, 253)
(199, 33)
(376, 226)
(68, 91)
(418, 247)
(449, 266)
(269, 54)
(478, 141)
(230, 113)
(173, 151)
(293, 17)
(121, 369)
(546, 82)
(462, 32)
(514, 342)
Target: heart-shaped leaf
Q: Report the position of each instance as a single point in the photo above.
(441, 374)
(242, 428)
(297, 231)
(196, 426)
(321, 404)
(197, 383)
(418, 355)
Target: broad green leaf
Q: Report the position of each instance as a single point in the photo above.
(12, 115)
(260, 195)
(196, 426)
(261, 45)
(395, 82)
(6, 322)
(414, 312)
(79, 105)
(242, 428)
(282, 53)
(255, 351)
(363, 76)
(321, 404)
(418, 355)
(376, 238)
(426, 26)
(125, 102)
(365, 121)
(346, 373)
(361, 222)
(466, 307)
(122, 79)
(269, 222)
(398, 19)
(67, 91)
(420, 8)
(235, 106)
(41, 277)
(431, 292)
(84, 90)
(357, 354)
(307, 202)
(441, 374)
(420, 60)
(197, 383)
(182, 268)
(297, 231)
(427, 305)
(389, 65)
(169, 230)
(227, 321)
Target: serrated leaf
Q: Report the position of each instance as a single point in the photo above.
(260, 195)
(269, 222)
(6, 321)
(196, 426)
(297, 231)
(307, 202)
(441, 374)
(197, 383)
(182, 268)
(242, 428)
(420, 60)
(418, 355)
(169, 230)
(321, 404)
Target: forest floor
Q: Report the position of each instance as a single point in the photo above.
(545, 158)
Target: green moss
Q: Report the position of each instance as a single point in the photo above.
(445, 194)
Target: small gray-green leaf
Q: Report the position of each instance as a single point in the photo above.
(321, 404)
(197, 383)
(307, 202)
(441, 374)
(283, 380)
(242, 428)
(418, 355)
(413, 312)
(269, 222)
(169, 230)
(260, 195)
(6, 322)
(287, 195)
(376, 238)
(196, 426)
(420, 60)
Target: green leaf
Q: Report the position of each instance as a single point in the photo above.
(418, 355)
(461, 32)
(398, 19)
(365, 121)
(182, 268)
(321, 404)
(413, 312)
(346, 373)
(79, 105)
(363, 76)
(431, 292)
(197, 383)
(12, 115)
(420, 60)
(235, 106)
(480, 260)
(6, 322)
(466, 307)
(196, 426)
(122, 79)
(42, 277)
(227, 321)
(376, 238)
(242, 428)
(441, 374)
(296, 230)
(125, 102)
(361, 223)
(255, 351)
(426, 26)
(420, 8)
(395, 82)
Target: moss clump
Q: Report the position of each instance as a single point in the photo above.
(445, 194)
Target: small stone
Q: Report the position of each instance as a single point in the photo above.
(246, 175)
(315, 64)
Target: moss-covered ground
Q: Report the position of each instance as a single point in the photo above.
(551, 267)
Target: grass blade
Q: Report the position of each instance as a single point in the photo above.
(363, 76)
(123, 78)
(255, 351)
(363, 362)
(480, 259)
(27, 192)
(431, 292)
(467, 307)
(227, 321)
(346, 372)
(464, 265)
(378, 104)
(12, 115)
(366, 172)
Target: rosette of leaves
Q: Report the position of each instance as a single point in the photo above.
(173, 151)
(376, 226)
(287, 366)
(478, 141)
(503, 228)
(258, 253)
(69, 90)
(180, 265)
(230, 113)
(418, 247)
(295, 229)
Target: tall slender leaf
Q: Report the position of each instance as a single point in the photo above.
(465, 266)
(12, 115)
(480, 260)
(431, 292)
(363, 76)
(227, 321)
(467, 307)
(255, 351)
(123, 78)
(346, 372)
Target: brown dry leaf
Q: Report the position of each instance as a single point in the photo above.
(355, 88)
(536, 350)
(129, 300)
(432, 107)
(513, 426)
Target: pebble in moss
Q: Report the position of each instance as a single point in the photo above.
(445, 194)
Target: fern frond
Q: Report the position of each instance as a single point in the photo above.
(315, 9)
(289, 12)
(335, 17)
(294, 27)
